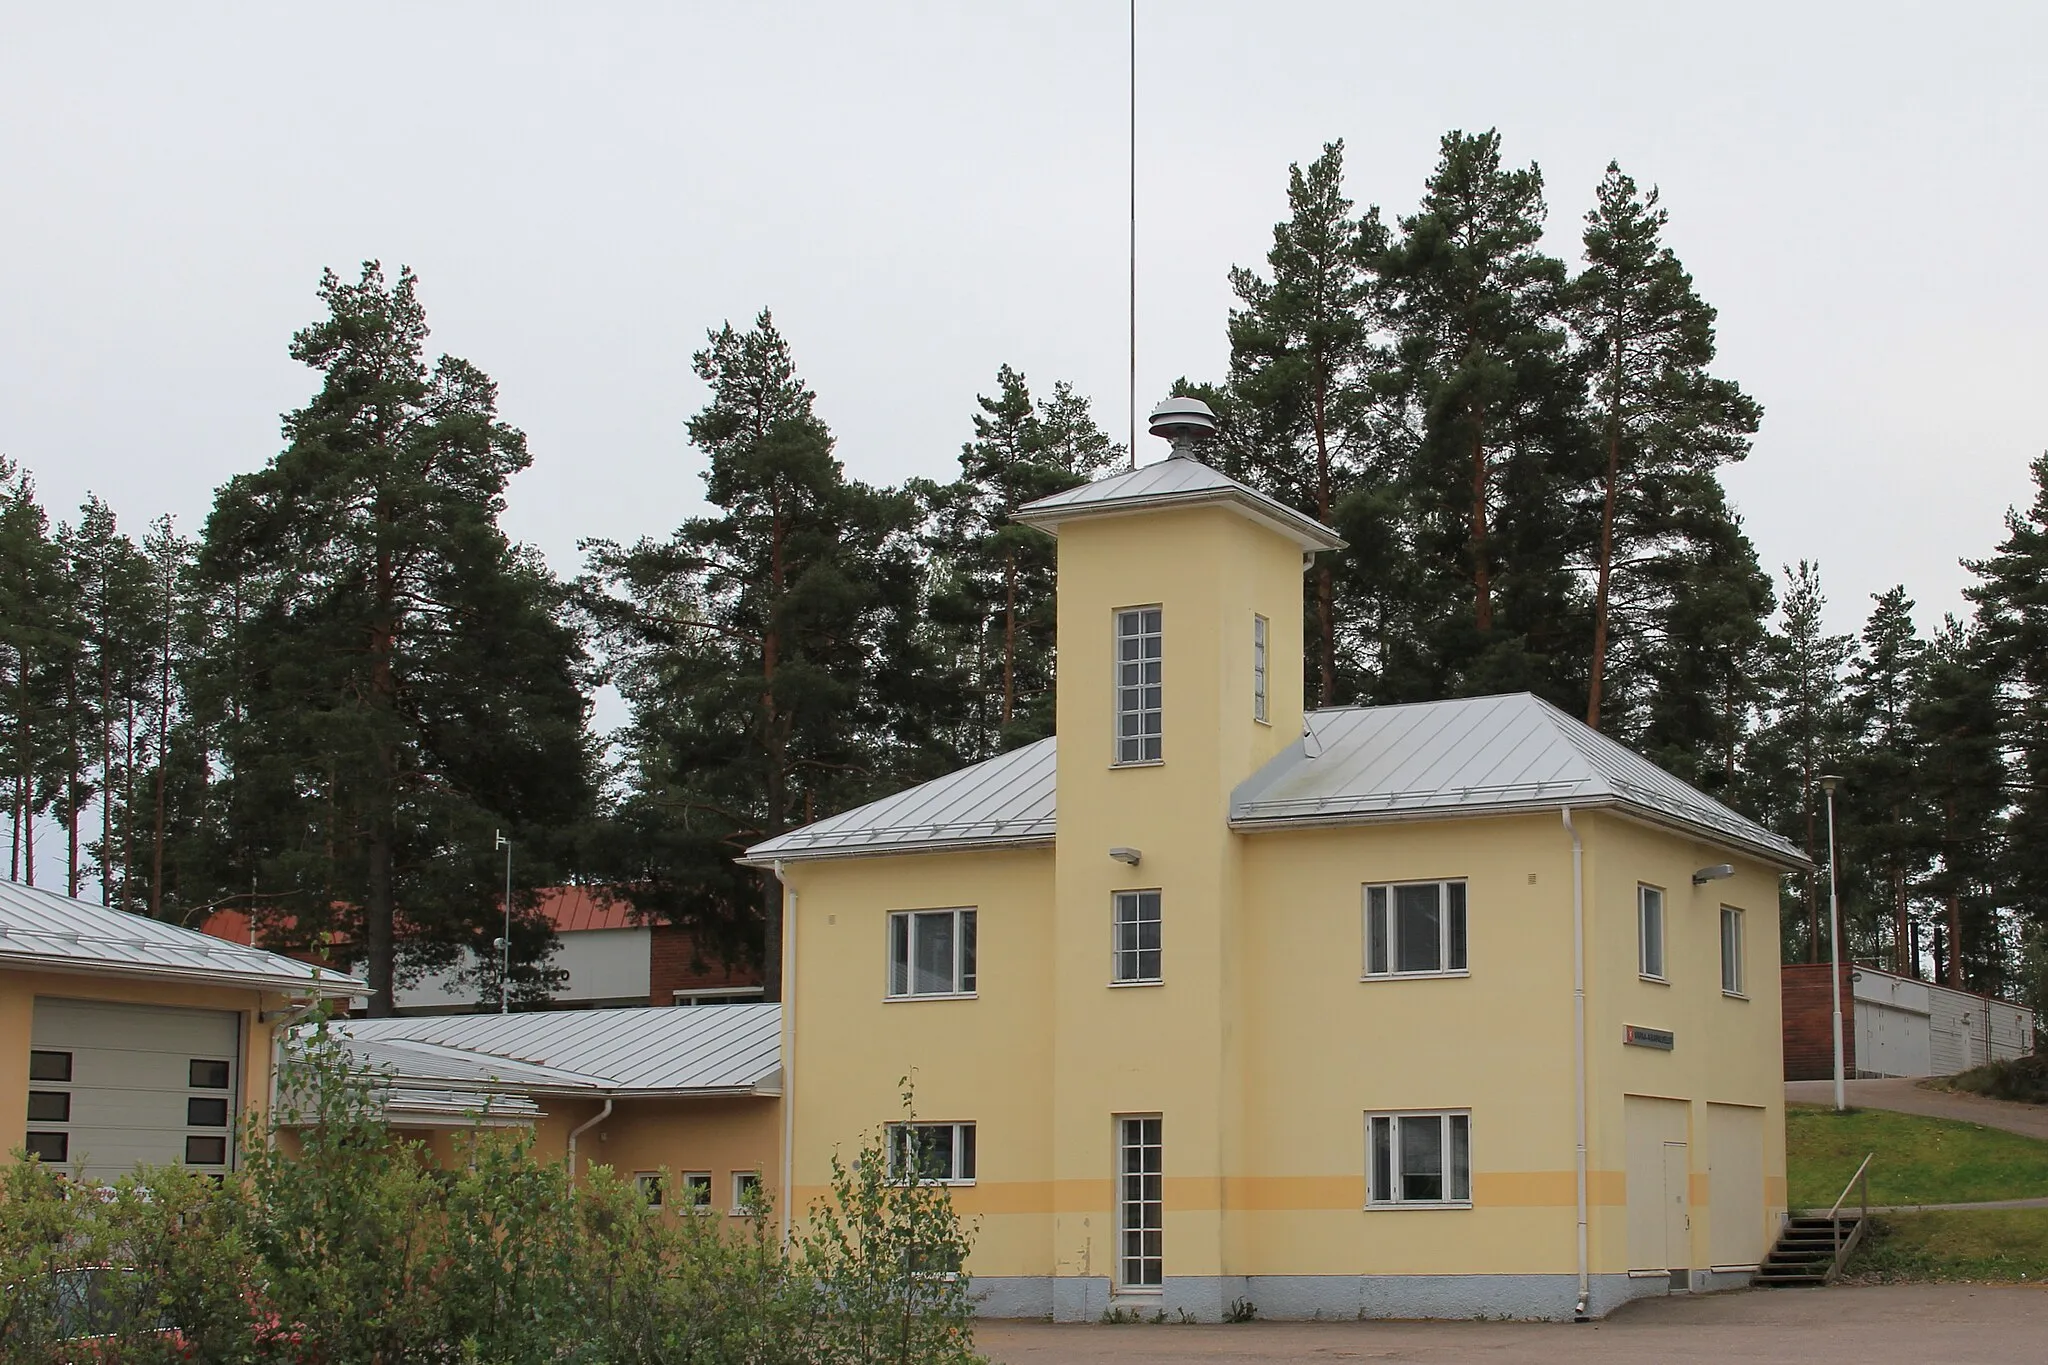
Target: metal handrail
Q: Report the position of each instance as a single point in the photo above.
(1860, 1179)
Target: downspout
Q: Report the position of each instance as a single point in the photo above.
(1579, 1044)
(580, 1129)
(783, 1196)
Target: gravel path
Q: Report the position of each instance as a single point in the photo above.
(1908, 1096)
(1953, 1324)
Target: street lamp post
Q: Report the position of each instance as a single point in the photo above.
(505, 943)
(1828, 783)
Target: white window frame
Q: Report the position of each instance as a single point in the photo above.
(1446, 938)
(1383, 1188)
(1148, 1209)
(1734, 934)
(695, 1187)
(966, 955)
(963, 1147)
(1131, 751)
(652, 1189)
(740, 1181)
(1261, 632)
(1119, 955)
(1653, 930)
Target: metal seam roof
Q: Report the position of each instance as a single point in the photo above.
(1176, 480)
(1473, 755)
(647, 1050)
(40, 929)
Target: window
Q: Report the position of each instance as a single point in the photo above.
(1259, 669)
(649, 1184)
(49, 1106)
(937, 1152)
(931, 952)
(697, 1190)
(209, 1075)
(50, 1148)
(206, 1151)
(1650, 932)
(49, 1066)
(206, 1112)
(746, 1192)
(1137, 936)
(1137, 685)
(1731, 950)
(1415, 929)
(1419, 1159)
(1141, 1208)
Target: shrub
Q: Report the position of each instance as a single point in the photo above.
(343, 1246)
(2024, 1079)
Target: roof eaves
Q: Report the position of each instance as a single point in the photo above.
(332, 986)
(756, 857)
(1304, 531)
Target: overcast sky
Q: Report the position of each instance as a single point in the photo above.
(923, 192)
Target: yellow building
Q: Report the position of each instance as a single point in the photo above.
(126, 1041)
(1436, 1010)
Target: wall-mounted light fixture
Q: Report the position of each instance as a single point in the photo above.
(1713, 874)
(1127, 856)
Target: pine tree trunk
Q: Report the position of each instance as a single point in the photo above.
(1597, 676)
(25, 823)
(1909, 964)
(1009, 635)
(106, 761)
(71, 780)
(1326, 622)
(1955, 940)
(1812, 887)
(163, 756)
(128, 806)
(1482, 576)
(778, 778)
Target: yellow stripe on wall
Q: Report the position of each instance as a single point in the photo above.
(1286, 1193)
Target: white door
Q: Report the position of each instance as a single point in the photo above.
(1677, 1207)
(113, 1087)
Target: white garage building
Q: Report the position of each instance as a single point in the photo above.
(1916, 1028)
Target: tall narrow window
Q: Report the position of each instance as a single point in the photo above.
(1137, 685)
(1731, 950)
(1650, 932)
(1259, 668)
(931, 952)
(1419, 1158)
(1141, 1206)
(1415, 929)
(1137, 936)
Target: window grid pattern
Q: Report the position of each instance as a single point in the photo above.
(1416, 929)
(1137, 936)
(1419, 1159)
(1650, 932)
(1731, 950)
(1138, 660)
(1259, 668)
(938, 1153)
(1141, 1205)
(932, 952)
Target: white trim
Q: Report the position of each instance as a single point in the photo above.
(1739, 962)
(1262, 673)
(1118, 686)
(1375, 1202)
(1123, 1148)
(1116, 926)
(1390, 912)
(962, 917)
(739, 1204)
(960, 1127)
(1663, 921)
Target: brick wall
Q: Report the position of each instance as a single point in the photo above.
(1809, 1023)
(675, 964)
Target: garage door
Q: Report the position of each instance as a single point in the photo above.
(113, 1087)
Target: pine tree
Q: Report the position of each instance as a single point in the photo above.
(994, 583)
(1802, 736)
(1885, 824)
(1476, 309)
(108, 576)
(37, 635)
(1954, 719)
(2011, 596)
(762, 651)
(1664, 423)
(1301, 366)
(409, 681)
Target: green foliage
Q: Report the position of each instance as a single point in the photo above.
(1920, 1160)
(1981, 1245)
(2023, 1080)
(341, 1243)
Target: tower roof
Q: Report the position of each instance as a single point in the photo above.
(1178, 481)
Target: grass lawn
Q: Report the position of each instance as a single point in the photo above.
(1977, 1244)
(1919, 1160)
